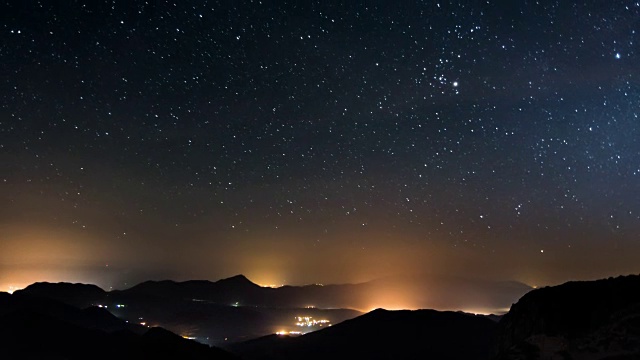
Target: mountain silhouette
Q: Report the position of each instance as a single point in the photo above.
(89, 318)
(235, 309)
(445, 293)
(38, 328)
(384, 334)
(586, 319)
(225, 291)
(232, 309)
(76, 294)
(576, 320)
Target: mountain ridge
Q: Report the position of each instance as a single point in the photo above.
(597, 319)
(385, 334)
(451, 293)
(574, 319)
(34, 327)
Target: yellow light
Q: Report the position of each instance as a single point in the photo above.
(12, 289)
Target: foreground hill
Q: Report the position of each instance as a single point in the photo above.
(383, 334)
(38, 328)
(577, 320)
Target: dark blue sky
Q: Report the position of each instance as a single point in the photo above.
(318, 141)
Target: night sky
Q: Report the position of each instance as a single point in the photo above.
(318, 141)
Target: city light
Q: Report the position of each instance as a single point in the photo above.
(283, 332)
(309, 321)
(273, 286)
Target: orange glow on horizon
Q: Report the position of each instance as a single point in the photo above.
(483, 311)
(11, 288)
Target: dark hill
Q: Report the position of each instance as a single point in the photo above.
(80, 295)
(382, 334)
(237, 280)
(90, 318)
(588, 319)
(233, 289)
(38, 328)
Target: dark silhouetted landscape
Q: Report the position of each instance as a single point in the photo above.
(235, 309)
(577, 320)
(34, 327)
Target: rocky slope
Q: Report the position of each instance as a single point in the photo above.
(577, 320)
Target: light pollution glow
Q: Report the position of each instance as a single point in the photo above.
(32, 254)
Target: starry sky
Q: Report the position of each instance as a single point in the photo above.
(318, 141)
